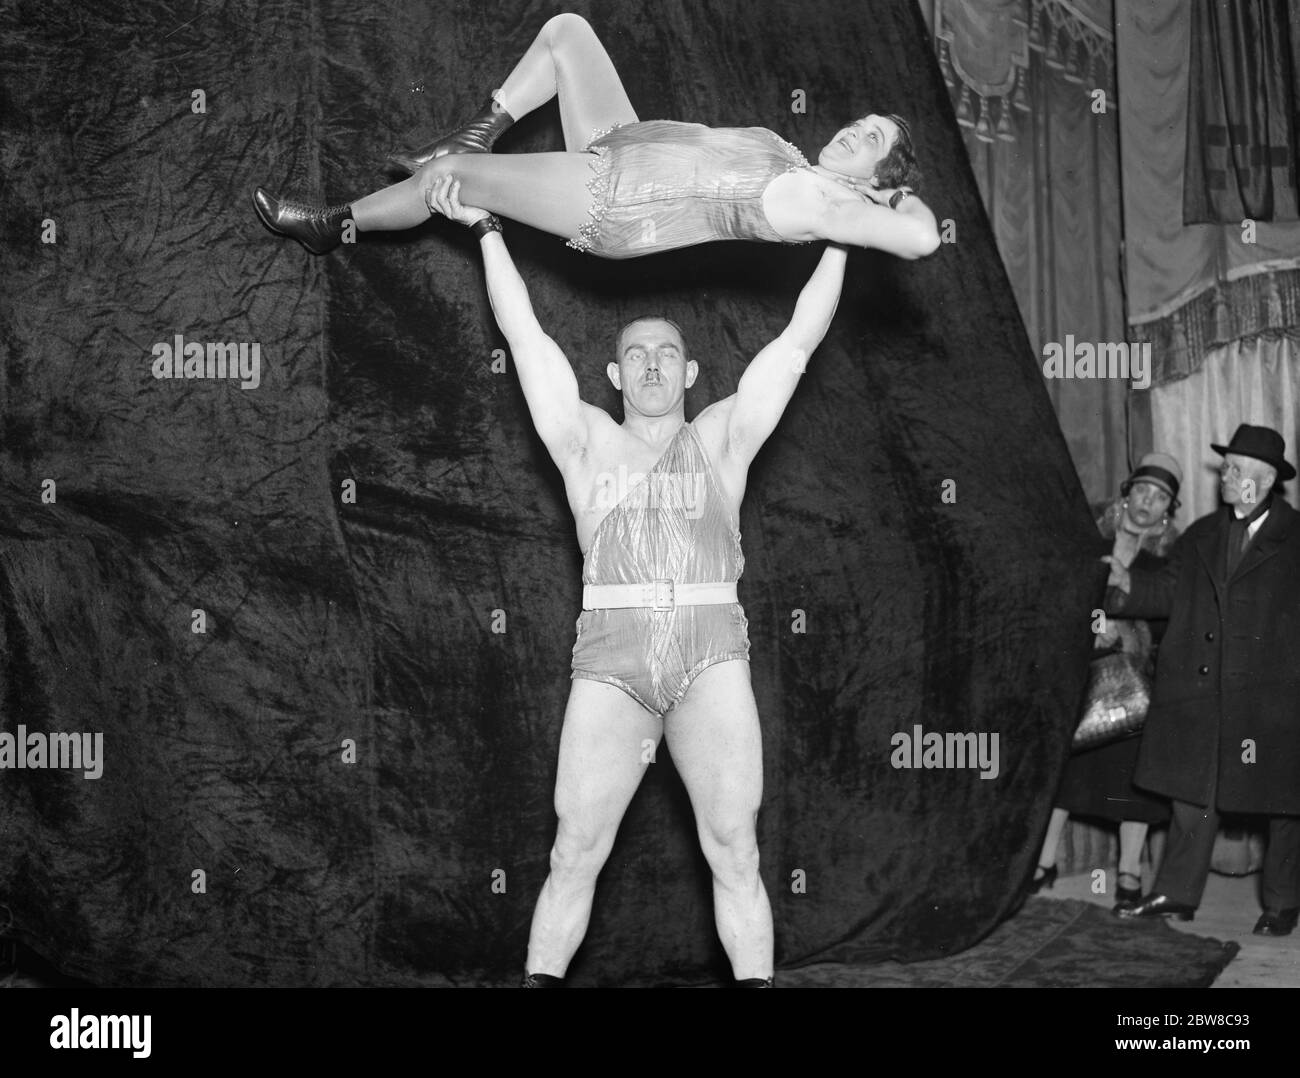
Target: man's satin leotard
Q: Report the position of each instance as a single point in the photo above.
(673, 525)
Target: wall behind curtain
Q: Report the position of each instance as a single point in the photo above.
(1047, 167)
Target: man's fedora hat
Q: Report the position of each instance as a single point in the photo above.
(1262, 443)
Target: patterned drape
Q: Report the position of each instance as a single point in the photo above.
(1032, 85)
(1191, 289)
(1241, 116)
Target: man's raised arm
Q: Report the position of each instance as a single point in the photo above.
(549, 385)
(770, 379)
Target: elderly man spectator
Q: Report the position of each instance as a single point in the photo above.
(1223, 733)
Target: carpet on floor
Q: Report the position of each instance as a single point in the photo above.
(1050, 943)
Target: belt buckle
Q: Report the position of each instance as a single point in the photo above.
(664, 594)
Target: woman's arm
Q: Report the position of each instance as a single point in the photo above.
(910, 231)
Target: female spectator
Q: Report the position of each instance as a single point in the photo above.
(1098, 782)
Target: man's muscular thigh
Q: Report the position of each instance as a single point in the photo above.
(603, 755)
(717, 744)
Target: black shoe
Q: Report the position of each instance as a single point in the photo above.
(1043, 882)
(1126, 898)
(318, 228)
(541, 980)
(756, 982)
(1158, 906)
(474, 136)
(1277, 922)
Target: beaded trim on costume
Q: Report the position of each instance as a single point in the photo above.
(598, 185)
(792, 148)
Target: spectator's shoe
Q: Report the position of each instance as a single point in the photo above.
(1044, 882)
(1277, 922)
(1158, 906)
(1126, 898)
(476, 135)
(755, 982)
(318, 228)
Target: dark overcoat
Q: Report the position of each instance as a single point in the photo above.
(1226, 705)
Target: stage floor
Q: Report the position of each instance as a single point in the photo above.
(1228, 912)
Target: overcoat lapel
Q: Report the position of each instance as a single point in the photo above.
(1268, 540)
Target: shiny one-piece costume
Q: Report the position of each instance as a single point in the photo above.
(660, 185)
(673, 525)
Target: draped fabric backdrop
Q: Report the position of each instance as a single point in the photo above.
(1190, 287)
(1254, 381)
(1220, 304)
(1242, 115)
(323, 624)
(1022, 75)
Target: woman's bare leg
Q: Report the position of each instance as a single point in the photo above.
(1051, 843)
(548, 190)
(545, 190)
(1132, 836)
(567, 60)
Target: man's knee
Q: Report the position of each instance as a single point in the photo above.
(731, 850)
(580, 851)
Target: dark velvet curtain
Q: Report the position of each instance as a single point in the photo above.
(346, 777)
(1243, 114)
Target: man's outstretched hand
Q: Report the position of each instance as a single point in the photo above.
(443, 196)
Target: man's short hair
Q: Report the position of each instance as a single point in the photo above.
(898, 168)
(618, 341)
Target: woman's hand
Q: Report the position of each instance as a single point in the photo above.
(1108, 638)
(879, 195)
(1119, 575)
(442, 195)
(869, 190)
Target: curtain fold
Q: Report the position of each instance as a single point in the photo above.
(1256, 382)
(1241, 116)
(1190, 288)
(1021, 74)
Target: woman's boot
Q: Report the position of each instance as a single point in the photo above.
(318, 228)
(475, 136)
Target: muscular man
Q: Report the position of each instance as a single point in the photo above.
(1223, 733)
(662, 649)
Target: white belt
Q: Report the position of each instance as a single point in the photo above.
(658, 594)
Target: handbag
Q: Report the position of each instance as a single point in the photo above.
(1117, 700)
